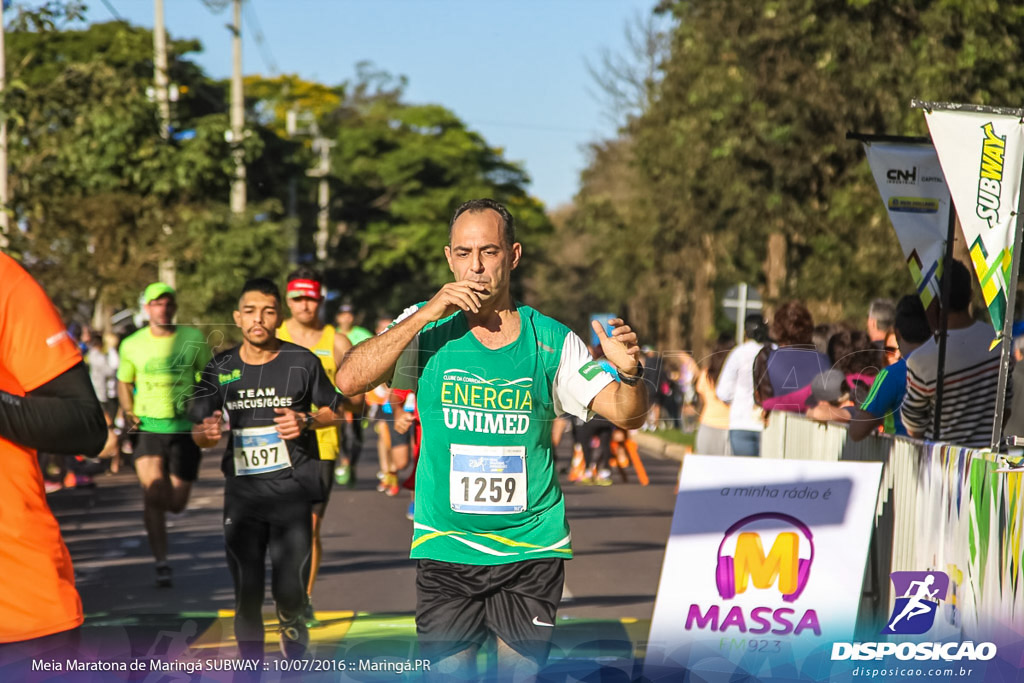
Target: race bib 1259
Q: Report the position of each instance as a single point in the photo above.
(488, 479)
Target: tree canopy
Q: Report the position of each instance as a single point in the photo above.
(101, 195)
(740, 161)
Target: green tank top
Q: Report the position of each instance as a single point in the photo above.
(487, 491)
(163, 370)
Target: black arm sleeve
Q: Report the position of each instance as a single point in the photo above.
(62, 416)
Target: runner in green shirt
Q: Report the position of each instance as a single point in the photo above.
(490, 375)
(159, 364)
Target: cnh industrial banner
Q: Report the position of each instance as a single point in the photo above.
(981, 157)
(915, 195)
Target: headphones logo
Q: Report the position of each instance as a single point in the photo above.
(749, 564)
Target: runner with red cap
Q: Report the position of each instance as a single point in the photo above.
(159, 364)
(305, 328)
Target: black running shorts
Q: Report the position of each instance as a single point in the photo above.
(180, 453)
(326, 483)
(459, 605)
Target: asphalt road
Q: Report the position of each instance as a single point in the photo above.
(366, 590)
(619, 535)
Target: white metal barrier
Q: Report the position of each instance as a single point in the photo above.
(940, 507)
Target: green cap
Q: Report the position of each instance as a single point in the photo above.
(155, 291)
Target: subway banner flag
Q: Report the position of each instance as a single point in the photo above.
(916, 197)
(981, 158)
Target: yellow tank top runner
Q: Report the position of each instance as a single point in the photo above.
(327, 438)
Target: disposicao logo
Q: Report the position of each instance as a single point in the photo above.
(918, 595)
(918, 598)
(749, 566)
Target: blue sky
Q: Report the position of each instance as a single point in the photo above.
(514, 70)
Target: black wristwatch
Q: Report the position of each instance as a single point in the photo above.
(308, 421)
(631, 380)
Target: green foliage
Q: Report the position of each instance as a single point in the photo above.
(401, 171)
(219, 252)
(745, 138)
(102, 195)
(605, 254)
(397, 173)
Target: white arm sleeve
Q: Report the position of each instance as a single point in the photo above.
(407, 371)
(403, 315)
(578, 380)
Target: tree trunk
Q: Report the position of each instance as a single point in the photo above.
(774, 270)
(671, 331)
(639, 312)
(101, 317)
(703, 319)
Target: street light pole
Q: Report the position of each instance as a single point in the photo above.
(168, 268)
(237, 113)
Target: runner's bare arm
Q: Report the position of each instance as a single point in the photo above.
(342, 345)
(126, 397)
(207, 433)
(625, 406)
(372, 362)
(290, 424)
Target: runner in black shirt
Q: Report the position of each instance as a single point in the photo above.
(266, 387)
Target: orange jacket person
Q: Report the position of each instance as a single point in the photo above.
(46, 403)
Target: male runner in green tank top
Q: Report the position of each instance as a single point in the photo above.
(158, 369)
(490, 375)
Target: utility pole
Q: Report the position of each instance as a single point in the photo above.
(168, 268)
(237, 113)
(291, 126)
(4, 219)
(160, 69)
(322, 145)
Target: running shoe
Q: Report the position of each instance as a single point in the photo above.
(410, 512)
(309, 616)
(163, 575)
(389, 485)
(294, 638)
(381, 485)
(342, 473)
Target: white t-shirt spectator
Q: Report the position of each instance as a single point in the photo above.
(103, 372)
(736, 387)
